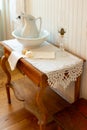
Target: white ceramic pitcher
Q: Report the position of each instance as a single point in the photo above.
(30, 28)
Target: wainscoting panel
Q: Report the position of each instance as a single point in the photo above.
(70, 14)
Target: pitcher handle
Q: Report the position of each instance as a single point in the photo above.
(40, 23)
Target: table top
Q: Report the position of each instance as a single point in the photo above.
(62, 69)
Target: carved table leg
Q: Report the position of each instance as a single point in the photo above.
(77, 88)
(42, 108)
(3, 65)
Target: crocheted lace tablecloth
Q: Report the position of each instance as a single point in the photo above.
(62, 69)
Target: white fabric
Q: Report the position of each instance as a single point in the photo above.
(14, 44)
(56, 68)
(13, 59)
(40, 55)
(16, 53)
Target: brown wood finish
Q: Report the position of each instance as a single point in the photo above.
(3, 64)
(77, 88)
(15, 117)
(38, 95)
(73, 117)
(38, 77)
(33, 73)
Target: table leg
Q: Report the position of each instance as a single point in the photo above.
(77, 88)
(42, 108)
(3, 65)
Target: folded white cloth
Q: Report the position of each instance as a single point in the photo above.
(15, 56)
(40, 55)
(13, 59)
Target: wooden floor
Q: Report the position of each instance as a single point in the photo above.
(16, 117)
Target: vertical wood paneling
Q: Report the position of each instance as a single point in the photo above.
(70, 14)
(79, 25)
(84, 30)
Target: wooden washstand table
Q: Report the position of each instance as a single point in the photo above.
(40, 79)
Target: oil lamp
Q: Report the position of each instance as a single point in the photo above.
(61, 37)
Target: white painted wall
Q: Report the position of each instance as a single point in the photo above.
(71, 14)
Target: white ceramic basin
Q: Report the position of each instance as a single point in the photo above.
(31, 42)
